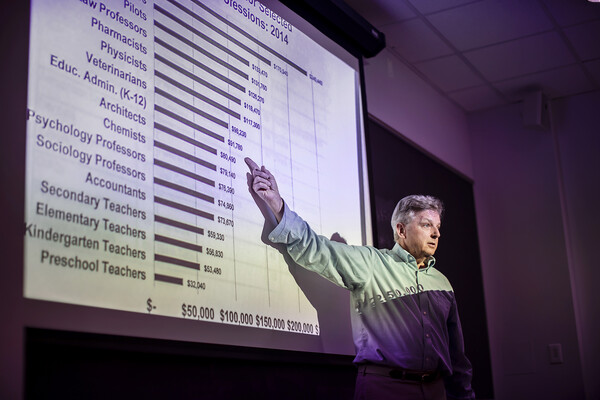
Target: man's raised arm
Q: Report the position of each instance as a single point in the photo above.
(264, 185)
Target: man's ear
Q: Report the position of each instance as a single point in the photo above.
(401, 230)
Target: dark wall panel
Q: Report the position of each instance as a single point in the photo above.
(71, 365)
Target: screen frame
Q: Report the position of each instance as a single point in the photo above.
(69, 317)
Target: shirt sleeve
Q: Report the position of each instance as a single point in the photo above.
(458, 385)
(344, 265)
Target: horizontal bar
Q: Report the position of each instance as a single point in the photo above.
(168, 279)
(185, 138)
(177, 224)
(183, 172)
(185, 155)
(184, 208)
(183, 189)
(178, 243)
(176, 261)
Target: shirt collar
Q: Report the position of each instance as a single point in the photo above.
(408, 258)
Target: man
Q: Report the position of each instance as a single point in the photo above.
(405, 322)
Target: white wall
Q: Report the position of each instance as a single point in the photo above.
(524, 258)
(577, 129)
(401, 100)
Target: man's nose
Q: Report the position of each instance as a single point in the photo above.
(436, 233)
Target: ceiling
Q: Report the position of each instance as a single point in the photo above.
(488, 53)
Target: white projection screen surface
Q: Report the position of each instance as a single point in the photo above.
(138, 217)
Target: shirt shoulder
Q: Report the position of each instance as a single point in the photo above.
(441, 280)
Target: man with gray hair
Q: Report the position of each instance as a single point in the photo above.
(405, 323)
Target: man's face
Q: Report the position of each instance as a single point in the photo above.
(421, 235)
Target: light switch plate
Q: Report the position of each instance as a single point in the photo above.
(555, 353)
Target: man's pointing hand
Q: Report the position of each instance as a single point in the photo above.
(264, 185)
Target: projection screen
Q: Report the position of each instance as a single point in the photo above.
(138, 217)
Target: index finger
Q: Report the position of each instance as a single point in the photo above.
(251, 164)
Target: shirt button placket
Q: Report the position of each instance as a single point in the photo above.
(427, 344)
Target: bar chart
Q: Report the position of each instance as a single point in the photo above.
(172, 96)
